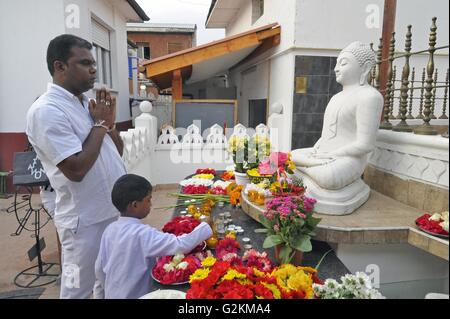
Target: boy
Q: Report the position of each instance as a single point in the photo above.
(128, 248)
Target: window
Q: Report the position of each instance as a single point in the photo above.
(102, 53)
(144, 51)
(257, 10)
(174, 47)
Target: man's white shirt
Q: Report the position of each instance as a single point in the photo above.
(57, 126)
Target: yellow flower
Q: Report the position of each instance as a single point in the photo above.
(258, 273)
(291, 166)
(204, 176)
(290, 277)
(253, 172)
(274, 289)
(209, 261)
(199, 274)
(233, 274)
(244, 282)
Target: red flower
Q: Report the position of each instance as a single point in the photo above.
(206, 171)
(264, 292)
(181, 225)
(218, 191)
(195, 189)
(431, 226)
(226, 246)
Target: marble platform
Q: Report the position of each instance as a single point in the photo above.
(381, 220)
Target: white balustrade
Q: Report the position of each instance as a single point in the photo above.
(216, 138)
(168, 137)
(193, 137)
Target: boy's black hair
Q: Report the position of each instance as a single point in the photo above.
(129, 188)
(60, 49)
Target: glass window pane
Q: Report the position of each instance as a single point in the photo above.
(107, 68)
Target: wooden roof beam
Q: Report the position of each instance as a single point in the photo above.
(215, 49)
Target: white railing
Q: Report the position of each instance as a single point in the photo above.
(409, 156)
(171, 157)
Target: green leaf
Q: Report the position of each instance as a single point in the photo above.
(313, 222)
(285, 254)
(303, 243)
(271, 241)
(261, 230)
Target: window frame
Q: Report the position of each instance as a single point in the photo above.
(256, 15)
(103, 58)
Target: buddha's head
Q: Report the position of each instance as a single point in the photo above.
(354, 64)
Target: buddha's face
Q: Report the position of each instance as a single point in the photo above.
(347, 69)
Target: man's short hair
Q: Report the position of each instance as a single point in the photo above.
(129, 188)
(60, 49)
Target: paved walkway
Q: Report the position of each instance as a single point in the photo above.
(14, 249)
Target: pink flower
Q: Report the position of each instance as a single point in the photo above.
(265, 168)
(278, 158)
(276, 228)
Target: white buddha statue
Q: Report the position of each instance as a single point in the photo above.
(332, 169)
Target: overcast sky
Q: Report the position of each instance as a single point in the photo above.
(183, 11)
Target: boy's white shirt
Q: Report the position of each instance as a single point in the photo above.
(128, 251)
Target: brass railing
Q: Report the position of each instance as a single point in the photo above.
(410, 85)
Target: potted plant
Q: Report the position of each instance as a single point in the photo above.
(289, 226)
(247, 153)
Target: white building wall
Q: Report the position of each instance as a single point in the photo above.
(324, 28)
(275, 11)
(105, 12)
(26, 28)
(419, 13)
(329, 24)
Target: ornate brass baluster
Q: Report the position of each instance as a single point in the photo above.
(422, 91)
(386, 125)
(433, 99)
(392, 94)
(426, 128)
(371, 75)
(411, 95)
(378, 66)
(403, 109)
(444, 103)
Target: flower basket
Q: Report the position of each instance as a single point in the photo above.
(256, 178)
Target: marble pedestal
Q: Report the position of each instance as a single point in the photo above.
(336, 202)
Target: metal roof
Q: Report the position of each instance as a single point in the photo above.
(161, 27)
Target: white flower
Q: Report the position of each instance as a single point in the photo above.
(444, 225)
(331, 283)
(183, 265)
(168, 267)
(363, 280)
(221, 184)
(196, 182)
(230, 168)
(356, 286)
(435, 217)
(177, 259)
